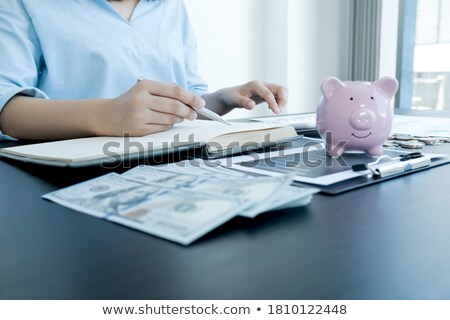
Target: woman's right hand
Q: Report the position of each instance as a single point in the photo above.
(148, 107)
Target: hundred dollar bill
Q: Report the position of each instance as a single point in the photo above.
(292, 197)
(268, 194)
(171, 214)
(180, 206)
(261, 193)
(203, 168)
(179, 216)
(167, 179)
(103, 196)
(252, 191)
(175, 178)
(158, 173)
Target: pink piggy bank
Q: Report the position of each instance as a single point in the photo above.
(356, 115)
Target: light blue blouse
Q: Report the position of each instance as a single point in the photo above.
(81, 49)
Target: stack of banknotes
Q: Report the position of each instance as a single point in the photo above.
(180, 202)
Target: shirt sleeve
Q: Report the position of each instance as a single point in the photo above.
(196, 84)
(21, 58)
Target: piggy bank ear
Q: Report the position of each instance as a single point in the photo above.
(388, 85)
(330, 85)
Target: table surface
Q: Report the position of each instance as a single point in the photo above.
(386, 241)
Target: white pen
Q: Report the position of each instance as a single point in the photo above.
(204, 112)
(211, 115)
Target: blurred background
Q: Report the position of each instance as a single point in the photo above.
(432, 55)
(298, 43)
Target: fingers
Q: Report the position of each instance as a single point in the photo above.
(153, 122)
(172, 107)
(246, 102)
(160, 118)
(172, 91)
(281, 94)
(259, 89)
(256, 92)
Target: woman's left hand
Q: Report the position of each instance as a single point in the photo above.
(255, 92)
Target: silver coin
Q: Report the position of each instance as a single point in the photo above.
(403, 137)
(390, 144)
(414, 144)
(442, 139)
(429, 141)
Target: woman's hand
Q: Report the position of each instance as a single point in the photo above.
(148, 107)
(248, 96)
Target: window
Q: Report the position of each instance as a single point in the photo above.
(431, 76)
(424, 68)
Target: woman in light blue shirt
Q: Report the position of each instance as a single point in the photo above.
(68, 69)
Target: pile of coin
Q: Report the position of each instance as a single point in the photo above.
(409, 141)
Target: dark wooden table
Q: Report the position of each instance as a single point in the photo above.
(386, 241)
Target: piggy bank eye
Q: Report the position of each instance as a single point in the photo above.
(351, 98)
(371, 98)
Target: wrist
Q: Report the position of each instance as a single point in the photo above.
(99, 116)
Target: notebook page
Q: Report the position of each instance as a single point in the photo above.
(198, 131)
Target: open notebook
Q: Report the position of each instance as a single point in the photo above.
(216, 139)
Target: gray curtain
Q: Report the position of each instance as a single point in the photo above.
(364, 51)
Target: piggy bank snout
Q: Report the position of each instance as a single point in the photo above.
(362, 119)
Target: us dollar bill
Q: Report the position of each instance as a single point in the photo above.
(103, 196)
(179, 216)
(168, 213)
(260, 193)
(185, 168)
(178, 204)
